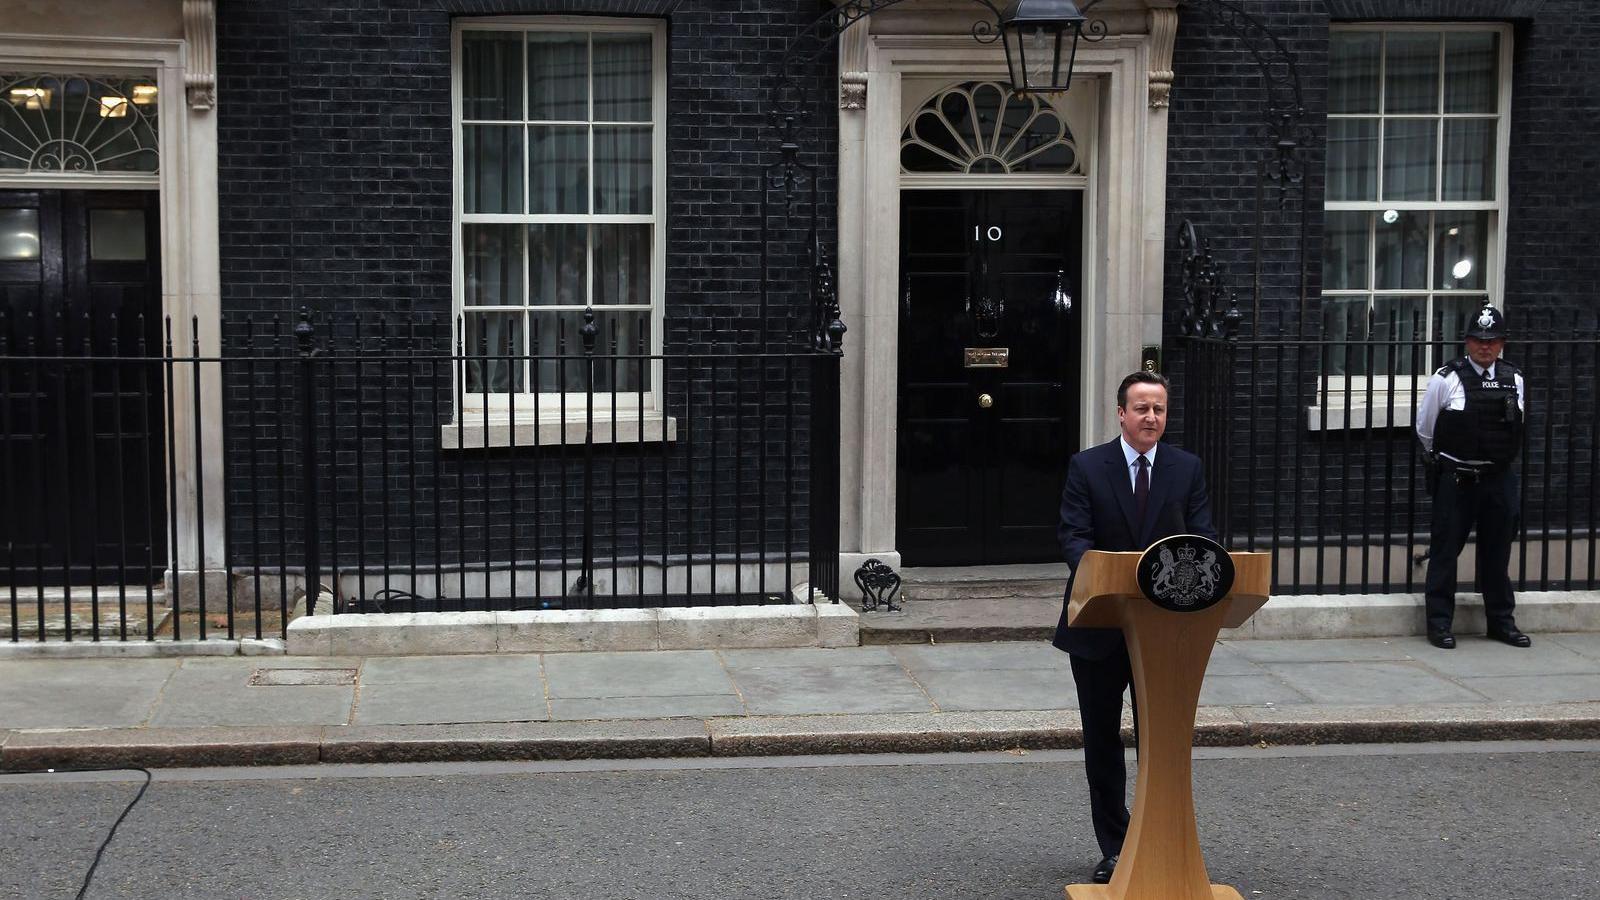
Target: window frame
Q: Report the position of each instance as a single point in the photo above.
(1330, 412)
(554, 408)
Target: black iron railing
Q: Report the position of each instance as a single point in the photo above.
(1311, 455)
(402, 465)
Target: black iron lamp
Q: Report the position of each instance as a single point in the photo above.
(1041, 38)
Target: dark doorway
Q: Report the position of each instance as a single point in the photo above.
(989, 344)
(82, 437)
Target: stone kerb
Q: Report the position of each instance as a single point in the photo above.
(554, 631)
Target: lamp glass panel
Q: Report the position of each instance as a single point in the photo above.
(19, 234)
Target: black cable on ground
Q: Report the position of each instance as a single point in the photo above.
(89, 875)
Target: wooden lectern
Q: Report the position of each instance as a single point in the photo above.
(1169, 650)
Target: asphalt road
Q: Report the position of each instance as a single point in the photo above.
(1451, 822)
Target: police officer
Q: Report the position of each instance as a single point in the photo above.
(1470, 426)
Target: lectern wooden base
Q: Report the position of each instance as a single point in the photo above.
(1104, 892)
(1169, 651)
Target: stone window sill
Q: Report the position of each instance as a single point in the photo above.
(1335, 415)
(551, 430)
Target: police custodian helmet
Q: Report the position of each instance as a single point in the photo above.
(1487, 324)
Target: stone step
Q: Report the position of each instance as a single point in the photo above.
(83, 606)
(984, 582)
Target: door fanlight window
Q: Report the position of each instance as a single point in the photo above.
(78, 124)
(985, 128)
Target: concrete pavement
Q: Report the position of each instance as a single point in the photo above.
(71, 713)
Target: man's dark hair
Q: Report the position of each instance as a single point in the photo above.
(1140, 377)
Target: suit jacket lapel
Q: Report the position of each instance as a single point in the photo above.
(1160, 486)
(1122, 486)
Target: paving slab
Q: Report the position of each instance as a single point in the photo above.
(660, 673)
(801, 690)
(1225, 660)
(536, 740)
(492, 671)
(218, 692)
(1357, 683)
(1247, 690)
(1587, 643)
(160, 747)
(448, 702)
(807, 656)
(967, 657)
(1328, 650)
(81, 693)
(1537, 688)
(1478, 656)
(647, 707)
(1000, 689)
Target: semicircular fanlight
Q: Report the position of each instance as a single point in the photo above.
(77, 124)
(983, 127)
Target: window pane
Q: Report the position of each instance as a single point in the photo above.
(1451, 315)
(491, 75)
(1402, 250)
(492, 264)
(1398, 319)
(1461, 251)
(1472, 82)
(1344, 320)
(1345, 265)
(1352, 159)
(1409, 150)
(619, 332)
(558, 76)
(491, 166)
(116, 234)
(19, 234)
(1411, 76)
(622, 169)
(622, 77)
(621, 265)
(495, 339)
(558, 168)
(1353, 75)
(557, 264)
(1469, 146)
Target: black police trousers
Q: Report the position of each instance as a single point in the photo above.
(1464, 499)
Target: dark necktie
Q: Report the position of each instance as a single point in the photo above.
(1141, 488)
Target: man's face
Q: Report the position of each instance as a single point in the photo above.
(1483, 352)
(1144, 419)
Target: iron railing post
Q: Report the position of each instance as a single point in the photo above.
(304, 334)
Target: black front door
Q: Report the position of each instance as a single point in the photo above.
(988, 361)
(82, 437)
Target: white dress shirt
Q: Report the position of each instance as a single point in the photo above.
(1132, 456)
(1445, 391)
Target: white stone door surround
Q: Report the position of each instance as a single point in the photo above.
(176, 41)
(1124, 217)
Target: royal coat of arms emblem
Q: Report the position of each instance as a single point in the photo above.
(1186, 573)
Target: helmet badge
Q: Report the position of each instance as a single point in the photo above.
(1486, 318)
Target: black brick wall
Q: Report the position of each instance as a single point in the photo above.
(1346, 478)
(334, 118)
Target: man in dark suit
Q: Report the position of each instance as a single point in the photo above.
(1123, 495)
